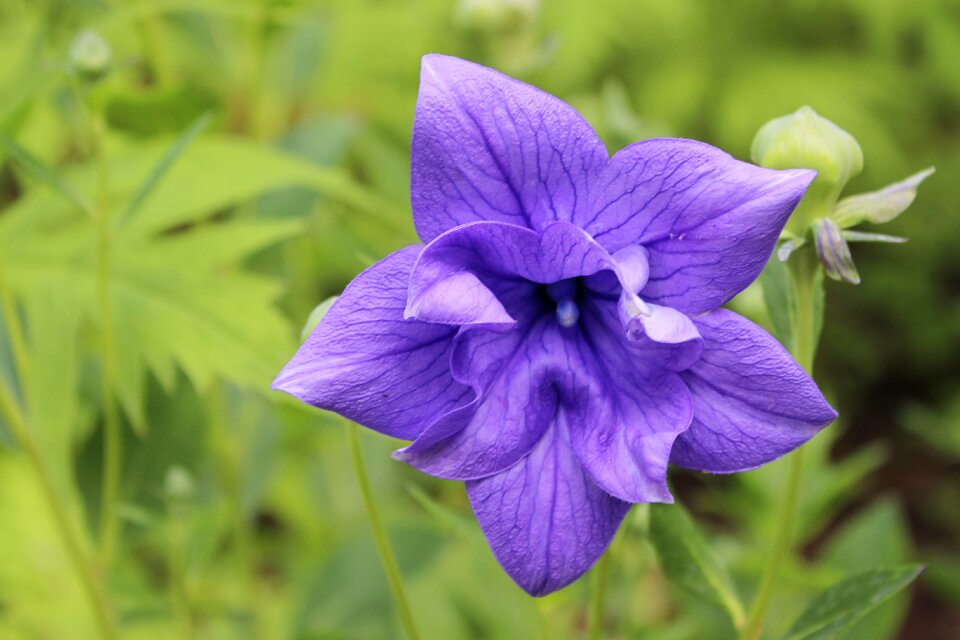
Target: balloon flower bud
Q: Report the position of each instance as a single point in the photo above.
(805, 140)
(497, 15)
(90, 56)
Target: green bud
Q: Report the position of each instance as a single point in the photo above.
(497, 15)
(178, 484)
(90, 56)
(805, 140)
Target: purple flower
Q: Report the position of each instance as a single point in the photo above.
(558, 340)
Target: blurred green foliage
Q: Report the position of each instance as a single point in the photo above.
(240, 514)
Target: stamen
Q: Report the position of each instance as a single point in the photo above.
(567, 313)
(636, 306)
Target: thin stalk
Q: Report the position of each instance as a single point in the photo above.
(18, 344)
(229, 466)
(112, 435)
(89, 580)
(803, 272)
(380, 537)
(176, 561)
(598, 596)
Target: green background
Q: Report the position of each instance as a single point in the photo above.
(240, 512)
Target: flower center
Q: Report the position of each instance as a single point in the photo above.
(567, 313)
(564, 294)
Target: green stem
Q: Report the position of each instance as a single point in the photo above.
(89, 580)
(17, 342)
(380, 537)
(598, 596)
(111, 436)
(803, 270)
(229, 467)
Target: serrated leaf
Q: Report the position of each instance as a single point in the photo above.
(180, 300)
(880, 206)
(160, 170)
(217, 172)
(688, 561)
(835, 610)
(214, 173)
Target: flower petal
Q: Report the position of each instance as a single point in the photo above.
(513, 376)
(624, 423)
(752, 403)
(709, 222)
(367, 363)
(488, 147)
(545, 520)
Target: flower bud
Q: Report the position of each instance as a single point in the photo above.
(178, 484)
(805, 140)
(497, 15)
(90, 56)
(834, 252)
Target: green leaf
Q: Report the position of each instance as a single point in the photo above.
(778, 296)
(880, 206)
(878, 531)
(212, 174)
(217, 172)
(35, 567)
(180, 300)
(689, 562)
(819, 301)
(42, 173)
(835, 610)
(161, 169)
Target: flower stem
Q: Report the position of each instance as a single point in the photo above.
(111, 436)
(89, 580)
(380, 537)
(803, 272)
(598, 596)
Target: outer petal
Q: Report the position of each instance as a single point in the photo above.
(752, 402)
(709, 222)
(624, 422)
(487, 147)
(545, 520)
(367, 363)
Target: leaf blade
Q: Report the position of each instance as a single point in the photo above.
(161, 168)
(688, 561)
(839, 607)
